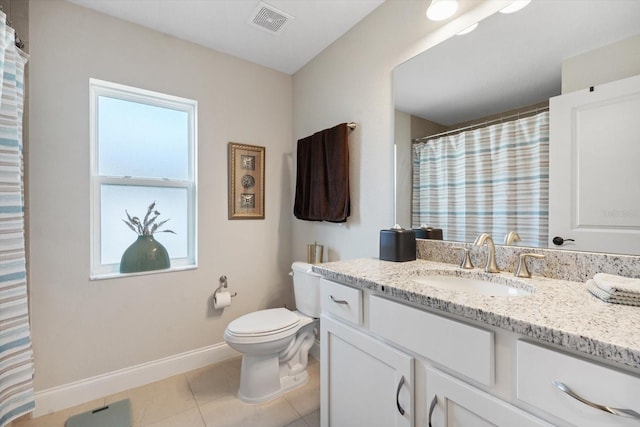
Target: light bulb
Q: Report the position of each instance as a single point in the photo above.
(441, 9)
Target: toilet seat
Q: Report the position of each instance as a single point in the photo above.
(262, 325)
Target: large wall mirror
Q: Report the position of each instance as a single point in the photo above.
(509, 67)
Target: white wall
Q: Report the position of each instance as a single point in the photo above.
(84, 328)
(606, 64)
(406, 129)
(351, 81)
(403, 168)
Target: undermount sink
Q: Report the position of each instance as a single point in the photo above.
(497, 286)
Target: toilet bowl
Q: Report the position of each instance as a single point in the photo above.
(275, 342)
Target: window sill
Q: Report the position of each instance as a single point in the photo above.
(118, 275)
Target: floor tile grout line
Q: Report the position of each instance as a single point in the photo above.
(204, 422)
(195, 399)
(300, 416)
(293, 407)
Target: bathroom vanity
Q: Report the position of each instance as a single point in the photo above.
(399, 351)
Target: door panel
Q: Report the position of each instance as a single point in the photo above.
(594, 168)
(364, 382)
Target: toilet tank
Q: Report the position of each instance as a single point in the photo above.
(306, 289)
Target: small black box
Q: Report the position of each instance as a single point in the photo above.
(428, 233)
(397, 244)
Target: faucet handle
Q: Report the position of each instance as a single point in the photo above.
(466, 259)
(522, 270)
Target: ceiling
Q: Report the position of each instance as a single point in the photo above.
(224, 25)
(509, 61)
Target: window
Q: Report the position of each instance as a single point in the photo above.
(143, 150)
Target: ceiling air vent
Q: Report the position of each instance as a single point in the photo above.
(268, 18)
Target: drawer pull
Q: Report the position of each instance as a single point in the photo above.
(400, 384)
(338, 301)
(434, 402)
(629, 413)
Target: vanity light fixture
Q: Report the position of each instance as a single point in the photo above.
(440, 10)
(515, 6)
(467, 30)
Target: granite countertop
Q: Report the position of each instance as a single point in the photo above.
(559, 311)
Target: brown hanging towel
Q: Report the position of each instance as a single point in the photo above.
(322, 178)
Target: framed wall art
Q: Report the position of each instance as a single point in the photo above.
(246, 181)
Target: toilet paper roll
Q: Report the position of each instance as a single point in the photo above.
(221, 299)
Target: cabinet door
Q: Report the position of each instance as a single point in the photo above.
(453, 403)
(363, 381)
(593, 168)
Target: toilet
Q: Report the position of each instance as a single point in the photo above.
(275, 342)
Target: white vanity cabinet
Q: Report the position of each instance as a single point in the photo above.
(370, 349)
(388, 363)
(364, 382)
(454, 403)
(465, 349)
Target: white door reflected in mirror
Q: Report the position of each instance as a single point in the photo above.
(594, 168)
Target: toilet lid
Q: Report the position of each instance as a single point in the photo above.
(264, 322)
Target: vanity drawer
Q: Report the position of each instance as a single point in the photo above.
(463, 348)
(537, 367)
(341, 301)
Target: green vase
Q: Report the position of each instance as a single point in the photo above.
(145, 254)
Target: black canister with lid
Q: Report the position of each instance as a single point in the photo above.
(397, 244)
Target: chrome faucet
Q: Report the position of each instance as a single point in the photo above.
(491, 266)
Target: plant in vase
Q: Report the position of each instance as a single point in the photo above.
(146, 253)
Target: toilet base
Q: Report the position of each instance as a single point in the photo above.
(287, 384)
(265, 377)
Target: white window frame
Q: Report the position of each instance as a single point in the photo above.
(99, 88)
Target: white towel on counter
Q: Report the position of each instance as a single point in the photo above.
(617, 285)
(609, 297)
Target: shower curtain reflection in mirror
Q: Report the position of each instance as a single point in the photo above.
(492, 179)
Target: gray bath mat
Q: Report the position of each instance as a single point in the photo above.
(116, 414)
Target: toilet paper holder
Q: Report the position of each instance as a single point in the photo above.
(223, 285)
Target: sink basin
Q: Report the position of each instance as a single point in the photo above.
(498, 286)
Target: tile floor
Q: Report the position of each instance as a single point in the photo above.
(205, 397)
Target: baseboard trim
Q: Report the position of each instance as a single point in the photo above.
(76, 393)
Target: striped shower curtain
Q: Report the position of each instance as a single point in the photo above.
(494, 179)
(16, 359)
